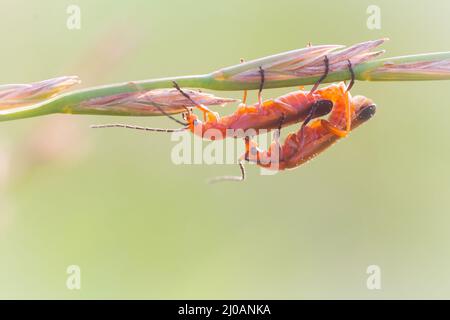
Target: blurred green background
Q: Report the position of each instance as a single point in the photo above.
(139, 226)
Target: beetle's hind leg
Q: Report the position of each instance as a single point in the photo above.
(348, 111)
(324, 75)
(352, 74)
(261, 85)
(276, 138)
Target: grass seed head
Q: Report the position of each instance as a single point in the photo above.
(18, 95)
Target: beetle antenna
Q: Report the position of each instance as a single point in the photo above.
(169, 115)
(127, 126)
(184, 93)
(230, 178)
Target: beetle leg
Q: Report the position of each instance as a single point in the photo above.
(323, 77)
(261, 86)
(352, 74)
(278, 131)
(348, 113)
(244, 98)
(337, 132)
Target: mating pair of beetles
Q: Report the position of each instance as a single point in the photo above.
(344, 113)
